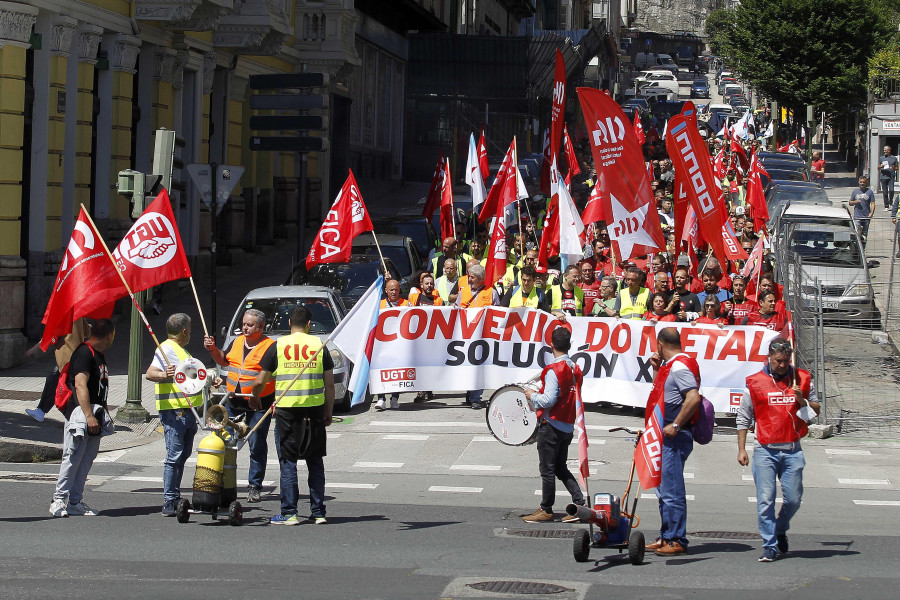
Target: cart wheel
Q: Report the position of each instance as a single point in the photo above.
(214, 514)
(581, 546)
(636, 548)
(235, 514)
(183, 510)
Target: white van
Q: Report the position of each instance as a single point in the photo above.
(665, 61)
(659, 78)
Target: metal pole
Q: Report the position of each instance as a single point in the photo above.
(887, 308)
(214, 232)
(133, 411)
(820, 329)
(301, 210)
(819, 359)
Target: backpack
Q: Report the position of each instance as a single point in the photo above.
(63, 393)
(703, 421)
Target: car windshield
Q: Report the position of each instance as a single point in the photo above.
(415, 230)
(278, 313)
(397, 255)
(828, 247)
(348, 279)
(700, 83)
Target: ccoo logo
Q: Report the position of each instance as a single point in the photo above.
(610, 132)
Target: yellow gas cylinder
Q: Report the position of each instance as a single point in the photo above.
(210, 468)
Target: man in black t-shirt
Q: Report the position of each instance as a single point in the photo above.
(88, 378)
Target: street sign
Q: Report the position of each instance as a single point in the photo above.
(280, 122)
(288, 102)
(277, 81)
(201, 175)
(227, 177)
(289, 144)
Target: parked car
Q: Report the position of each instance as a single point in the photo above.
(765, 156)
(276, 302)
(398, 248)
(778, 175)
(663, 79)
(417, 228)
(349, 279)
(782, 194)
(700, 88)
(723, 82)
(655, 93)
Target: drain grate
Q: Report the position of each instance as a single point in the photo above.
(29, 477)
(557, 534)
(726, 535)
(518, 587)
(20, 395)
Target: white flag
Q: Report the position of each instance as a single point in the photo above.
(473, 175)
(521, 192)
(354, 336)
(570, 225)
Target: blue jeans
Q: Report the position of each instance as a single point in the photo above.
(672, 501)
(474, 396)
(179, 435)
(786, 465)
(258, 442)
(290, 489)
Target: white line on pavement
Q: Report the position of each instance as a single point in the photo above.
(418, 437)
(846, 451)
(600, 427)
(333, 436)
(747, 477)
(428, 424)
(877, 502)
(108, 457)
(653, 497)
(558, 493)
(378, 465)
(753, 500)
(864, 481)
(353, 486)
(688, 475)
(484, 438)
(595, 441)
(475, 467)
(450, 488)
(140, 479)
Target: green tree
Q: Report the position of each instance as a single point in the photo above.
(802, 52)
(718, 27)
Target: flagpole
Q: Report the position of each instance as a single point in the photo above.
(199, 309)
(128, 289)
(377, 245)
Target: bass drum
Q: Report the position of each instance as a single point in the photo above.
(511, 417)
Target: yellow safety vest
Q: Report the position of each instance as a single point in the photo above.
(168, 396)
(294, 351)
(534, 300)
(627, 310)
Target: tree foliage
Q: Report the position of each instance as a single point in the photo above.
(802, 52)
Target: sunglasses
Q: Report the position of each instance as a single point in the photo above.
(780, 347)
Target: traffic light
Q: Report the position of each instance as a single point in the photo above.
(165, 160)
(137, 187)
(296, 96)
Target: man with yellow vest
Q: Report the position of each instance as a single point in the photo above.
(632, 300)
(527, 294)
(302, 413)
(243, 360)
(174, 408)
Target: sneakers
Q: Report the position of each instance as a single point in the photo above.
(395, 402)
(571, 519)
(284, 520)
(477, 405)
(380, 404)
(659, 543)
(80, 510)
(422, 397)
(320, 521)
(670, 549)
(769, 555)
(782, 543)
(539, 516)
(58, 508)
(253, 495)
(36, 414)
(168, 509)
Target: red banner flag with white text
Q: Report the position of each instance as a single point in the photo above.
(433, 199)
(628, 203)
(593, 210)
(558, 106)
(448, 222)
(505, 187)
(756, 196)
(571, 159)
(151, 253)
(584, 471)
(550, 233)
(346, 219)
(648, 453)
(639, 129)
(482, 156)
(86, 286)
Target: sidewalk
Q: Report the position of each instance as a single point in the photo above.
(24, 440)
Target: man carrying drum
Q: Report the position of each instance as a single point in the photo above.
(555, 406)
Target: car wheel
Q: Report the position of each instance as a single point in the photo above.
(344, 404)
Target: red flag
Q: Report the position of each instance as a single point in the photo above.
(550, 233)
(628, 203)
(505, 187)
(87, 283)
(754, 263)
(692, 167)
(738, 151)
(545, 165)
(593, 210)
(639, 129)
(573, 169)
(448, 222)
(719, 164)
(433, 199)
(346, 219)
(482, 156)
(756, 197)
(496, 260)
(681, 206)
(792, 147)
(584, 471)
(558, 107)
(648, 453)
(151, 252)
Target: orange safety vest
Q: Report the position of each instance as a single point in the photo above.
(414, 299)
(483, 298)
(242, 370)
(401, 302)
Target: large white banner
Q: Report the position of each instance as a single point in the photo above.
(448, 349)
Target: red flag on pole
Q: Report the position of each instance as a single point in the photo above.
(346, 219)
(448, 222)
(584, 471)
(550, 233)
(151, 253)
(433, 199)
(86, 286)
(558, 107)
(756, 197)
(482, 155)
(639, 129)
(573, 169)
(681, 206)
(648, 453)
(628, 202)
(500, 187)
(496, 261)
(593, 210)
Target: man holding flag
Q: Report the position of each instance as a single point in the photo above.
(556, 412)
(676, 393)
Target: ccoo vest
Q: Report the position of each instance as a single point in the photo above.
(569, 383)
(775, 407)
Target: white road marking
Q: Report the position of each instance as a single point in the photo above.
(558, 493)
(864, 481)
(417, 437)
(601, 427)
(847, 451)
(475, 467)
(478, 424)
(595, 441)
(753, 500)
(378, 465)
(352, 486)
(688, 475)
(108, 457)
(747, 477)
(141, 479)
(484, 438)
(454, 489)
(653, 497)
(333, 436)
(877, 502)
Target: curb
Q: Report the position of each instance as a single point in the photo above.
(15, 451)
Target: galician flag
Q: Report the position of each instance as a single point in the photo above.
(355, 337)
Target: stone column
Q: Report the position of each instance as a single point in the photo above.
(122, 60)
(62, 33)
(163, 93)
(16, 21)
(89, 37)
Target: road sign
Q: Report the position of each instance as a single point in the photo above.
(288, 102)
(279, 122)
(227, 177)
(201, 175)
(277, 81)
(289, 144)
